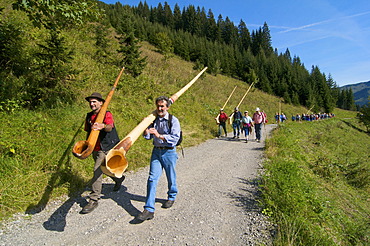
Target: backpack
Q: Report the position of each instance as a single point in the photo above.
(170, 126)
(223, 117)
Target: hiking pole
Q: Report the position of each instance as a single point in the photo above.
(115, 161)
(82, 149)
(231, 116)
(223, 107)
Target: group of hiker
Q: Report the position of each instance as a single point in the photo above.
(312, 117)
(242, 123)
(280, 118)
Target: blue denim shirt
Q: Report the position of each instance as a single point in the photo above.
(161, 124)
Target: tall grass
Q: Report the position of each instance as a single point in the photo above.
(36, 162)
(316, 182)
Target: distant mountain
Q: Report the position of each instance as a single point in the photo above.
(361, 92)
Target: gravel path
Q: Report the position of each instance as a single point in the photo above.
(216, 205)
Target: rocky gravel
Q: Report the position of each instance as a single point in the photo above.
(217, 204)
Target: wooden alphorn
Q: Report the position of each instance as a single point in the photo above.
(82, 149)
(115, 161)
(232, 115)
(223, 107)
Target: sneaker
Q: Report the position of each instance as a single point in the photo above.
(246, 140)
(89, 207)
(145, 215)
(168, 204)
(118, 183)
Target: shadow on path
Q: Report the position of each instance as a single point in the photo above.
(248, 195)
(57, 221)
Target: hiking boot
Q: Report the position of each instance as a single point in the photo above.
(118, 183)
(168, 204)
(89, 207)
(145, 215)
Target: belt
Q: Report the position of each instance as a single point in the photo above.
(164, 147)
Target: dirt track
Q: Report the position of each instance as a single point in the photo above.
(215, 206)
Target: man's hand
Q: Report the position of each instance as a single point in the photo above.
(154, 132)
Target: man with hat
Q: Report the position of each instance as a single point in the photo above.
(222, 118)
(107, 139)
(237, 120)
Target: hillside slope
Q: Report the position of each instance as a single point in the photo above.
(361, 92)
(40, 152)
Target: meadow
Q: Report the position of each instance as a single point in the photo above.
(316, 182)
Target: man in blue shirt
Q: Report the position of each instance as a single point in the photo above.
(165, 136)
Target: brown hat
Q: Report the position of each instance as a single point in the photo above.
(95, 95)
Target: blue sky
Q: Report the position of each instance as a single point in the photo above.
(331, 34)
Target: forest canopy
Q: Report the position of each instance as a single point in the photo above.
(37, 62)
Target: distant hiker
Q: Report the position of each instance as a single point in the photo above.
(222, 118)
(282, 117)
(258, 120)
(247, 125)
(108, 138)
(237, 120)
(165, 136)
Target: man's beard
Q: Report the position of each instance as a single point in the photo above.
(161, 113)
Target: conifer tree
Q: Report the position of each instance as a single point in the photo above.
(131, 59)
(211, 25)
(49, 79)
(177, 19)
(244, 36)
(129, 47)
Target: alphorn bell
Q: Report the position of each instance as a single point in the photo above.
(115, 161)
(231, 116)
(223, 107)
(82, 149)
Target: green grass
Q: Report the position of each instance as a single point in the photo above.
(36, 161)
(316, 182)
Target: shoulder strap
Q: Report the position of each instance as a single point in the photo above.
(169, 121)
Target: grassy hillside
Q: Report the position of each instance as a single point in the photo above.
(316, 182)
(36, 162)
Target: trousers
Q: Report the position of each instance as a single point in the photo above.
(161, 159)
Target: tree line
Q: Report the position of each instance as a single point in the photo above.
(196, 35)
(36, 62)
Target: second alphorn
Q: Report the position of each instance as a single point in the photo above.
(223, 107)
(115, 161)
(82, 149)
(232, 115)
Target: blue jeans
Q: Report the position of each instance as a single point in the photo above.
(236, 128)
(246, 131)
(161, 159)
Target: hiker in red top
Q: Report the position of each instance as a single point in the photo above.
(258, 119)
(108, 138)
(222, 118)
